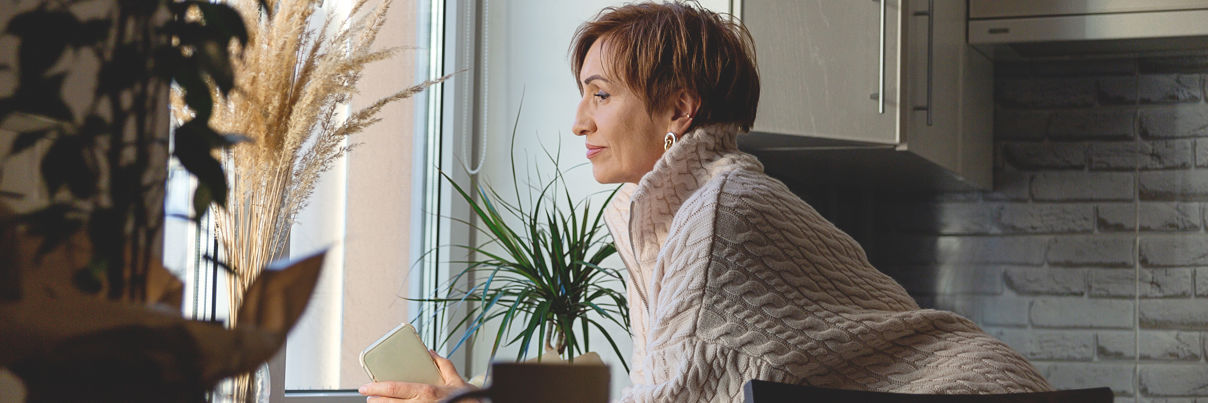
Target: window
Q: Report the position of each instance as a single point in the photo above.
(364, 210)
(377, 210)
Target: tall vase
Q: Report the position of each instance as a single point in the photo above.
(259, 386)
(252, 387)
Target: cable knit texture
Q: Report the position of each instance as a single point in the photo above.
(733, 277)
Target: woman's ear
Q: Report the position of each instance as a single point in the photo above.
(683, 111)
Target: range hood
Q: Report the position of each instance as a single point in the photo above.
(1018, 29)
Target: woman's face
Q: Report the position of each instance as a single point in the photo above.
(623, 140)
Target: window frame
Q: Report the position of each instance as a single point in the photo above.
(445, 133)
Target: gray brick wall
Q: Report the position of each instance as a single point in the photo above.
(1090, 257)
(1104, 124)
(1153, 216)
(1201, 153)
(1127, 155)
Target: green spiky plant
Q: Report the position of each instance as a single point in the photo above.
(539, 274)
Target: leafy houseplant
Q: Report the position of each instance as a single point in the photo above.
(80, 264)
(548, 277)
(105, 167)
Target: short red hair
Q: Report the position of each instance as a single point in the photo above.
(659, 49)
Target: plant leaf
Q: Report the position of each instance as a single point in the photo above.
(476, 323)
(54, 223)
(216, 63)
(611, 342)
(194, 140)
(26, 140)
(224, 20)
(39, 96)
(64, 164)
(202, 198)
(127, 67)
(44, 35)
(92, 32)
(196, 92)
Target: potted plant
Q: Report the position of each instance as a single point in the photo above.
(84, 297)
(540, 273)
(91, 88)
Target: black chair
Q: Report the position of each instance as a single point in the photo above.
(757, 391)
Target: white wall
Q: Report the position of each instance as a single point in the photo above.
(525, 49)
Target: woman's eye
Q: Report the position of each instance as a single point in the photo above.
(602, 95)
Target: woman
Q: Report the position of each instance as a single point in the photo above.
(733, 277)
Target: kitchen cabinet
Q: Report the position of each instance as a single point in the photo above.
(871, 92)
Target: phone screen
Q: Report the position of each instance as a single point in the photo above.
(400, 356)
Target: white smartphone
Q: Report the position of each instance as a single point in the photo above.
(400, 356)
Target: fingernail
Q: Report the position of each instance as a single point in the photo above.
(362, 389)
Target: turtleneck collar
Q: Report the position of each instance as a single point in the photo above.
(652, 203)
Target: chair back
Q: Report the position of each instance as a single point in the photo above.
(757, 391)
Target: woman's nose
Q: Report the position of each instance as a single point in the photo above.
(583, 124)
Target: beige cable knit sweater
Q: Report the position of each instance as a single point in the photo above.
(733, 277)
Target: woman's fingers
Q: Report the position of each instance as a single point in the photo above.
(401, 390)
(447, 370)
(377, 399)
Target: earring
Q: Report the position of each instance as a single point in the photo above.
(668, 141)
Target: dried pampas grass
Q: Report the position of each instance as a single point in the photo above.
(292, 83)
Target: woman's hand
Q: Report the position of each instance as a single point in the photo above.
(382, 392)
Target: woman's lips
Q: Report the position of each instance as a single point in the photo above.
(593, 150)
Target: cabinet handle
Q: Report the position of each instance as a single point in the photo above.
(930, 13)
(881, 69)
